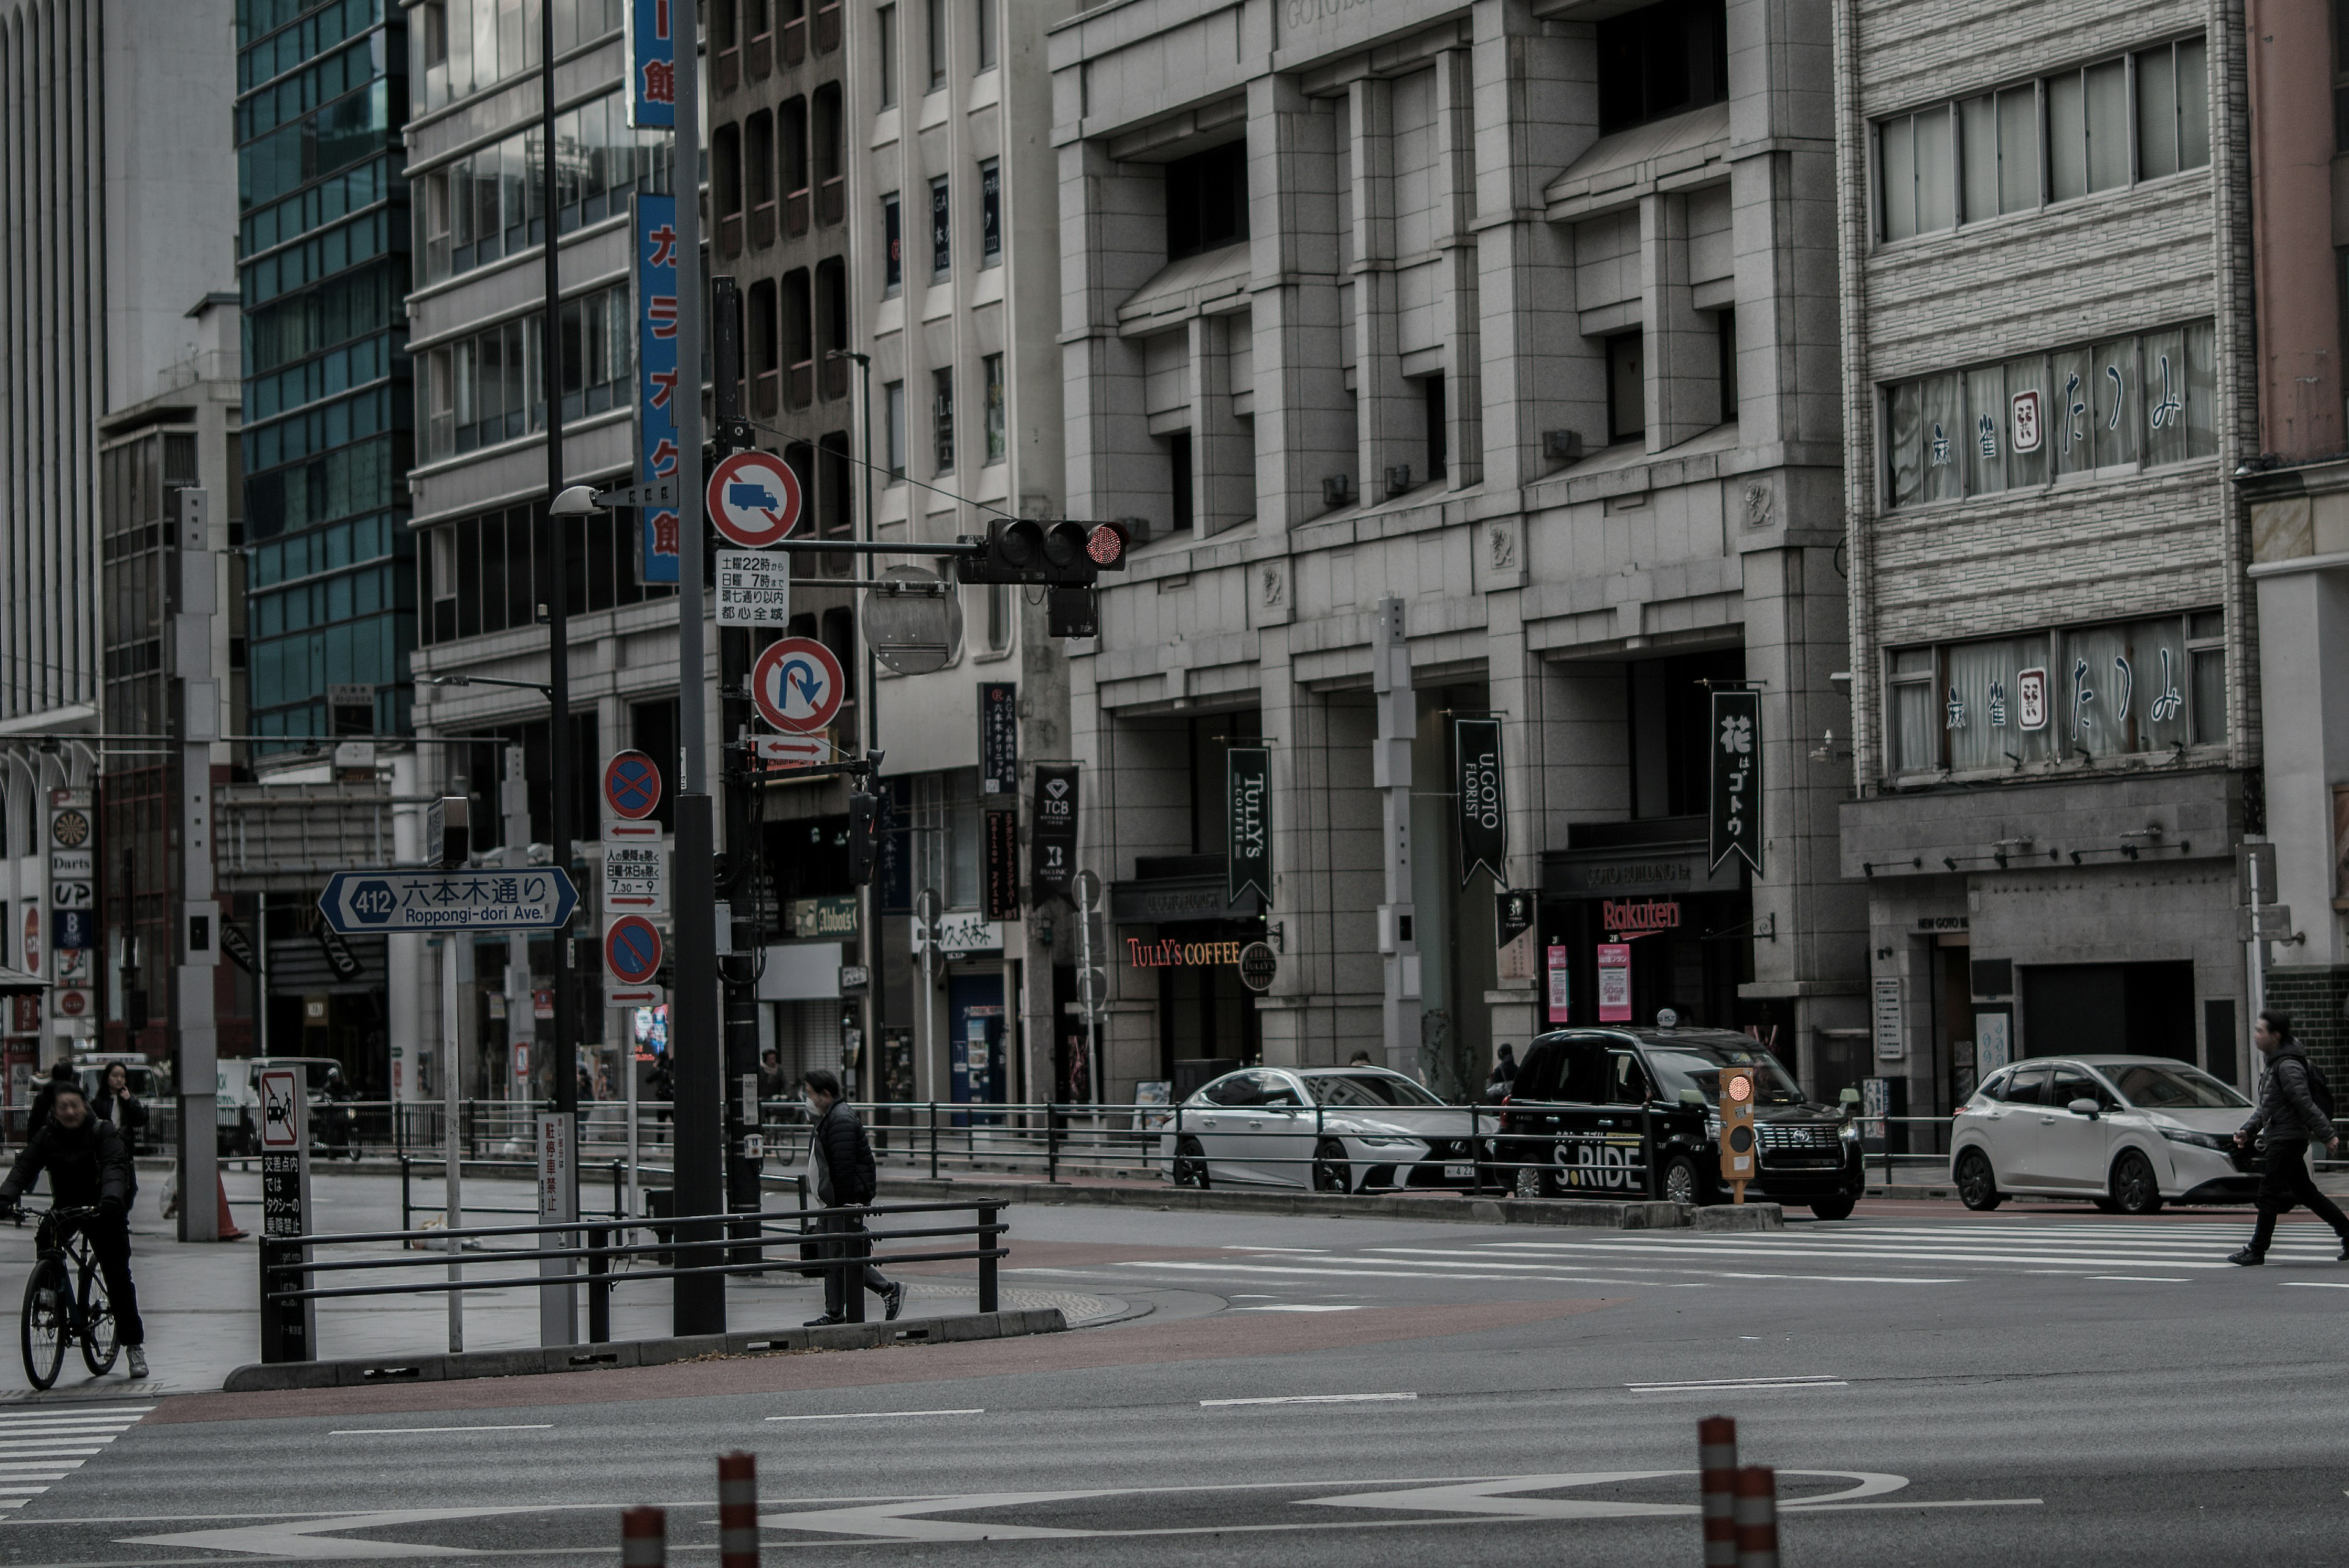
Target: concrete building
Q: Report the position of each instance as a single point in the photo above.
(2056, 717)
(117, 371)
(1458, 362)
(2297, 493)
(953, 289)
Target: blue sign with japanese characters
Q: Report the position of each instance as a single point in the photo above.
(652, 62)
(656, 378)
(539, 898)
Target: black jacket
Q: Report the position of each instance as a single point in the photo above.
(125, 1113)
(2287, 1110)
(843, 1157)
(37, 1115)
(86, 1165)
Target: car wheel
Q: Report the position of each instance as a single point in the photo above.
(1837, 1207)
(1677, 1182)
(1977, 1183)
(1190, 1165)
(1332, 1170)
(1534, 1181)
(2135, 1190)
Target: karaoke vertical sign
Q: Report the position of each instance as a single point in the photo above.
(657, 271)
(652, 62)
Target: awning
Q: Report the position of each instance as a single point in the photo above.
(16, 982)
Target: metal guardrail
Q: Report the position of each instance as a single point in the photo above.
(742, 1240)
(616, 1169)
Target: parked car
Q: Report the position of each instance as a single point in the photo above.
(1587, 1102)
(1334, 1130)
(2126, 1133)
(237, 1096)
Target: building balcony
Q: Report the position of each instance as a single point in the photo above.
(762, 224)
(796, 208)
(801, 390)
(728, 69)
(827, 28)
(762, 55)
(766, 392)
(730, 234)
(836, 377)
(832, 200)
(795, 40)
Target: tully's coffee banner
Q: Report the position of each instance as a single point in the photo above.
(1738, 778)
(1052, 833)
(1484, 815)
(1247, 842)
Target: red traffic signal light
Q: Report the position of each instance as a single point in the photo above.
(1106, 546)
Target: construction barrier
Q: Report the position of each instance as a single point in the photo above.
(737, 1510)
(1716, 1449)
(643, 1538)
(1757, 1517)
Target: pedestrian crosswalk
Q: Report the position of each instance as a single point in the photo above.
(39, 1447)
(1878, 1252)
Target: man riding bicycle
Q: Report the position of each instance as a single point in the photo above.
(89, 1167)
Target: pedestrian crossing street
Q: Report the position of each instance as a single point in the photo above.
(1880, 1252)
(39, 1447)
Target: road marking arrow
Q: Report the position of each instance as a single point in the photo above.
(304, 1539)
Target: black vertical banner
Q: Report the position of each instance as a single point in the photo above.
(1052, 833)
(1002, 865)
(1247, 834)
(1735, 740)
(1484, 810)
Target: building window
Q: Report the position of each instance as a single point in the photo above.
(1626, 388)
(1178, 454)
(985, 9)
(1206, 201)
(999, 617)
(488, 387)
(990, 212)
(2122, 688)
(1438, 445)
(490, 203)
(941, 233)
(893, 246)
(1977, 157)
(992, 367)
(885, 21)
(1662, 60)
(936, 10)
(1725, 327)
(894, 403)
(2121, 405)
(942, 427)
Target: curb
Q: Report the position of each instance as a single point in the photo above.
(1554, 1212)
(374, 1371)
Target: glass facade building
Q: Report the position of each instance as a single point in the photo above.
(322, 264)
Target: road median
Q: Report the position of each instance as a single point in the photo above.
(384, 1371)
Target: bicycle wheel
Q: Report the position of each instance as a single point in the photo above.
(98, 1346)
(46, 1325)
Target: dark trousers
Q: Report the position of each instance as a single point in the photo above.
(854, 1243)
(2285, 1180)
(109, 1241)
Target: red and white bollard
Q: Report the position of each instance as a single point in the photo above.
(1716, 1449)
(737, 1510)
(643, 1538)
(1757, 1517)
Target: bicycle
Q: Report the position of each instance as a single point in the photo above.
(56, 1312)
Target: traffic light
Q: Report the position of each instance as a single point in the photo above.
(1063, 554)
(863, 836)
(1738, 1165)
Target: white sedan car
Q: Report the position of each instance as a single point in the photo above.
(1334, 1130)
(2126, 1133)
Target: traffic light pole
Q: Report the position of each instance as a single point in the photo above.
(698, 1304)
(196, 696)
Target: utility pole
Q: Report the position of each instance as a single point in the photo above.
(699, 1302)
(558, 628)
(739, 776)
(513, 805)
(195, 942)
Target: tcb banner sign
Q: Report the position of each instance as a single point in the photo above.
(1052, 833)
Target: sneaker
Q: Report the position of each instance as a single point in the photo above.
(826, 1321)
(137, 1360)
(2246, 1258)
(893, 1303)
(2344, 1248)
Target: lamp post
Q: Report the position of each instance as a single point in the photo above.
(869, 720)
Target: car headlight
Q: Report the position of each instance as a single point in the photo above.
(1383, 1140)
(1850, 1132)
(2222, 1142)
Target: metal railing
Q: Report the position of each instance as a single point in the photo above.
(408, 1208)
(679, 1248)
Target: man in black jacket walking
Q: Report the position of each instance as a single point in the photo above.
(2290, 1115)
(840, 1156)
(89, 1167)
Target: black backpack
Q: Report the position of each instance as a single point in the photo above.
(2319, 1090)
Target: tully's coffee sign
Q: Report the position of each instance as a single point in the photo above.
(1483, 815)
(1736, 750)
(1248, 778)
(1625, 916)
(1171, 954)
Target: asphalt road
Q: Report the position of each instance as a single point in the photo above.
(2024, 1388)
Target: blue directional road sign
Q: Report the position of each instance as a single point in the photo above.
(359, 903)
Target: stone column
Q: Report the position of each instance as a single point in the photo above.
(1455, 197)
(1304, 426)
(1681, 360)
(1223, 451)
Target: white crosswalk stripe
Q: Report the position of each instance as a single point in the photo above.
(40, 1448)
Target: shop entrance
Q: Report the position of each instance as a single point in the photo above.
(975, 1041)
(1687, 951)
(1204, 1010)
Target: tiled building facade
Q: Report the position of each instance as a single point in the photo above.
(2055, 724)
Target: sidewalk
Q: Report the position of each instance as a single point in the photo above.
(198, 1300)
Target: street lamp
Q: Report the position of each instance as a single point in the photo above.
(538, 686)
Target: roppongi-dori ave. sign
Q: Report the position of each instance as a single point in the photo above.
(541, 898)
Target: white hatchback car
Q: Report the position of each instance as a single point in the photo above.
(2126, 1133)
(1334, 1130)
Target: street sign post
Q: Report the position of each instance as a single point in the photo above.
(754, 589)
(363, 902)
(636, 878)
(754, 499)
(797, 685)
(632, 786)
(288, 1329)
(632, 949)
(782, 751)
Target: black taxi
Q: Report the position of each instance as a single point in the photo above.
(1588, 1104)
